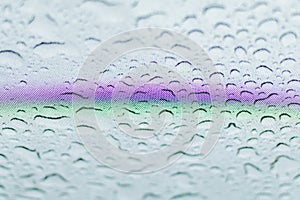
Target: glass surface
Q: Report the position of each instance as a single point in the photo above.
(254, 46)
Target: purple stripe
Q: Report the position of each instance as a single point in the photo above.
(149, 92)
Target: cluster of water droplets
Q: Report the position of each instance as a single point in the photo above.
(254, 46)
